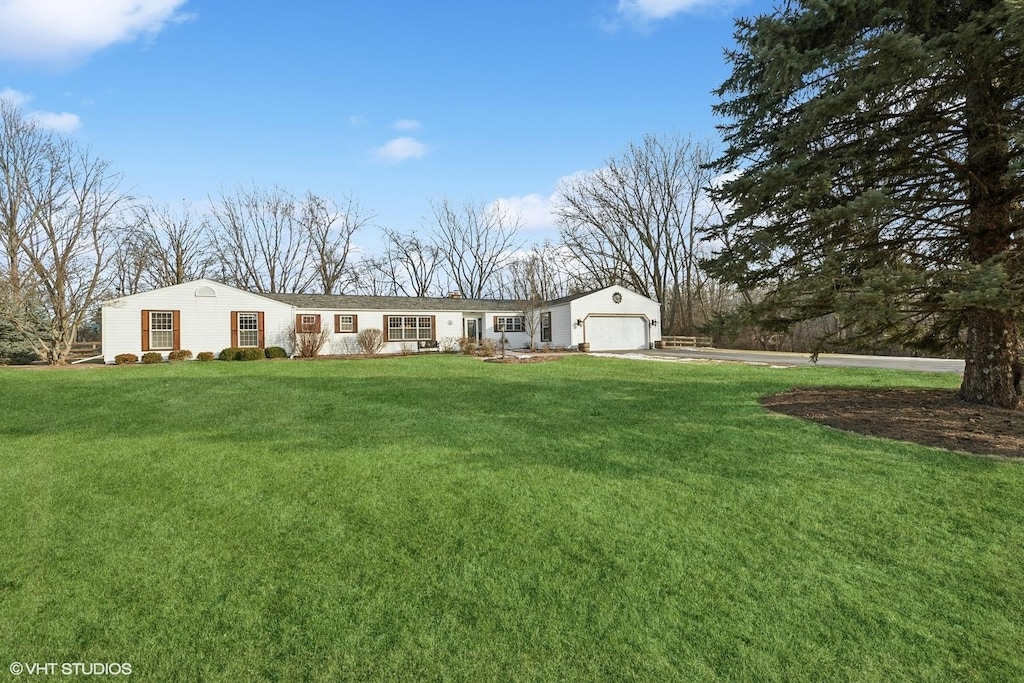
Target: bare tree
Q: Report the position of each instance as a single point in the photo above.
(475, 243)
(175, 245)
(534, 278)
(130, 261)
(23, 147)
(412, 263)
(74, 217)
(373, 277)
(260, 243)
(639, 221)
(330, 228)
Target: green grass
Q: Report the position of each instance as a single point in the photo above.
(439, 518)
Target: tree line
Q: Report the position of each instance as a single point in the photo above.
(71, 237)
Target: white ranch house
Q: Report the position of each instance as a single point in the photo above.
(206, 315)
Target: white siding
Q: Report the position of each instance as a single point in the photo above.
(345, 342)
(602, 303)
(513, 340)
(205, 320)
(562, 326)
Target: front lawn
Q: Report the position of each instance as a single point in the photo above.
(442, 518)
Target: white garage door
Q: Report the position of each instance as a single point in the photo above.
(617, 333)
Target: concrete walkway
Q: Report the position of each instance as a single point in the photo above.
(837, 360)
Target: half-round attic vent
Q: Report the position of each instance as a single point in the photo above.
(205, 291)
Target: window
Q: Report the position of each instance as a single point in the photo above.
(248, 329)
(509, 323)
(410, 327)
(545, 327)
(308, 323)
(161, 329)
(345, 323)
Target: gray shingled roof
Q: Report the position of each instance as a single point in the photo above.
(577, 295)
(351, 302)
(571, 297)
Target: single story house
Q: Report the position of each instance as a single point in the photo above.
(206, 315)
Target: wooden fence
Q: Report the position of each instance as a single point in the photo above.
(80, 350)
(684, 342)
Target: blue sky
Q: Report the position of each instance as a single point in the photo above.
(393, 102)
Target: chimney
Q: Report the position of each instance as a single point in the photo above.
(454, 294)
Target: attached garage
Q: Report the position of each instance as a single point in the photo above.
(617, 332)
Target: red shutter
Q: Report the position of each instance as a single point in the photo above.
(176, 326)
(337, 323)
(433, 328)
(316, 327)
(234, 329)
(387, 330)
(298, 323)
(259, 326)
(355, 323)
(145, 330)
(496, 324)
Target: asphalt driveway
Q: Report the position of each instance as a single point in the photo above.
(838, 360)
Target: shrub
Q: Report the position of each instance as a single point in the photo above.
(251, 354)
(309, 344)
(15, 347)
(468, 346)
(19, 357)
(152, 357)
(488, 348)
(370, 340)
(183, 354)
(206, 356)
(125, 359)
(246, 353)
(448, 345)
(276, 352)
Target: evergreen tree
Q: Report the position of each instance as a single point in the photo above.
(874, 150)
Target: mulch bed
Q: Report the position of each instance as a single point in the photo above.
(932, 417)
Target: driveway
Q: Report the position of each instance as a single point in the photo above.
(836, 360)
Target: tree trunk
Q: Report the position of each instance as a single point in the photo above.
(992, 362)
(992, 359)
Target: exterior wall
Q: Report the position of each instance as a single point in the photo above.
(447, 328)
(563, 328)
(602, 303)
(513, 340)
(205, 320)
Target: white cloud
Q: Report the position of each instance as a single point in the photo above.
(61, 31)
(407, 124)
(400, 149)
(646, 11)
(534, 209)
(62, 122)
(18, 99)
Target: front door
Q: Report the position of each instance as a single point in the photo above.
(472, 332)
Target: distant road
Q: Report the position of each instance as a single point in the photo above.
(836, 360)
